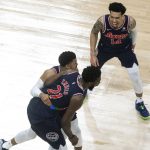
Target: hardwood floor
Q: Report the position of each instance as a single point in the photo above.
(32, 35)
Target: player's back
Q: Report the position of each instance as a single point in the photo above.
(60, 93)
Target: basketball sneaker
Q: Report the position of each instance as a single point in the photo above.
(144, 113)
(2, 141)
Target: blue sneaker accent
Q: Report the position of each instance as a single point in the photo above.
(2, 141)
(144, 113)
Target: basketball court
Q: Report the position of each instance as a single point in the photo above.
(32, 35)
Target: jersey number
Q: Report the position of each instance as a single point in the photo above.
(55, 94)
(117, 41)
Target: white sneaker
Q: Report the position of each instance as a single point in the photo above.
(2, 141)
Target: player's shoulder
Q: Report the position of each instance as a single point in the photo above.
(98, 25)
(101, 19)
(132, 22)
(131, 18)
(74, 74)
(56, 69)
(52, 71)
(71, 76)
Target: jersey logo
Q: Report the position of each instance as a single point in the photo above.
(52, 136)
(123, 29)
(116, 38)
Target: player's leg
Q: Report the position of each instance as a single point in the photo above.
(134, 75)
(21, 137)
(103, 57)
(24, 136)
(76, 131)
(128, 59)
(50, 132)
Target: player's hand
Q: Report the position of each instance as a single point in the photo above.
(74, 140)
(94, 61)
(45, 99)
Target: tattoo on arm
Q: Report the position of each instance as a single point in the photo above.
(97, 27)
(132, 23)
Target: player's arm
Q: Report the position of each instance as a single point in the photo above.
(75, 104)
(36, 89)
(133, 31)
(55, 76)
(93, 41)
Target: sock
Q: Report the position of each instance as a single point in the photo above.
(139, 100)
(7, 145)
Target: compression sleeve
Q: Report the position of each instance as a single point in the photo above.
(36, 90)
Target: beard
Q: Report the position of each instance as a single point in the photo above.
(91, 88)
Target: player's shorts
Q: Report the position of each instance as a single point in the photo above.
(127, 58)
(50, 131)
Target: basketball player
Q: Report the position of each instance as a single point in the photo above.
(118, 39)
(67, 60)
(66, 93)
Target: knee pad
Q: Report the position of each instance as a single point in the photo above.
(31, 133)
(134, 75)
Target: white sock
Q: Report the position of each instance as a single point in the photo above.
(7, 145)
(139, 100)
